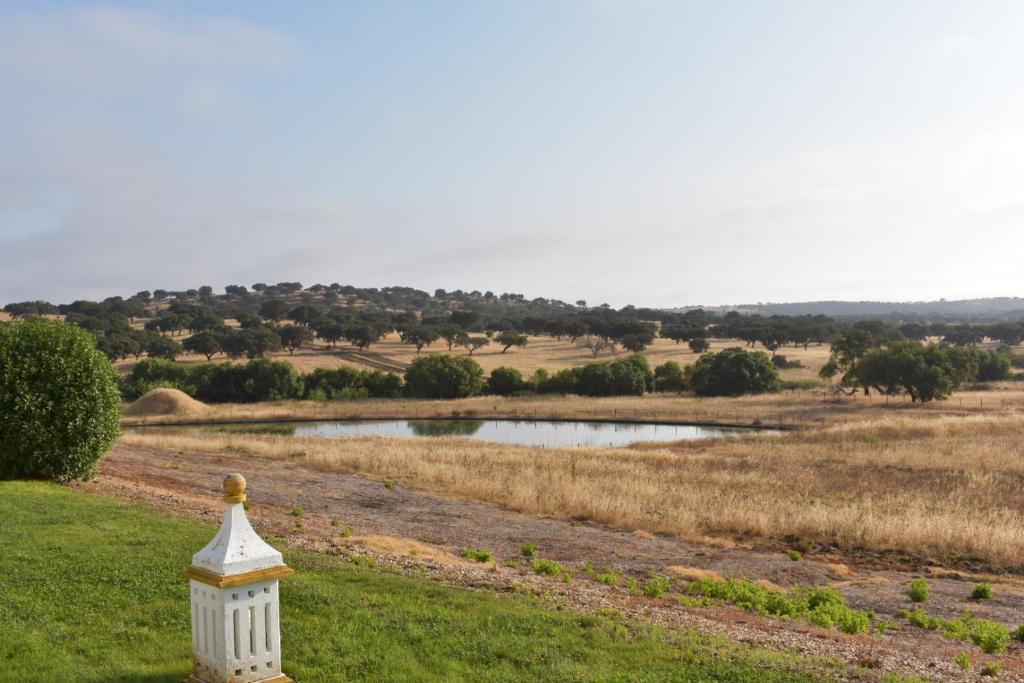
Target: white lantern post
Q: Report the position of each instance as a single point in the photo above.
(236, 628)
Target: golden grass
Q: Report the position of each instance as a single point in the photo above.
(942, 486)
(788, 409)
(541, 352)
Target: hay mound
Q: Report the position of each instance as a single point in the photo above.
(165, 402)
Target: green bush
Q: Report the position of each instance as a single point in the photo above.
(443, 376)
(669, 376)
(982, 591)
(919, 590)
(547, 567)
(796, 555)
(528, 549)
(478, 555)
(657, 586)
(505, 381)
(988, 635)
(58, 401)
(825, 607)
(733, 372)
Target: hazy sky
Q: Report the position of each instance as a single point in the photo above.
(621, 151)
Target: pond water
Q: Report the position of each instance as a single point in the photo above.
(540, 433)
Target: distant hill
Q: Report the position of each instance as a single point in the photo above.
(993, 307)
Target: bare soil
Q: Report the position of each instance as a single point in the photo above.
(427, 533)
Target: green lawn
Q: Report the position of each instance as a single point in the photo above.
(91, 590)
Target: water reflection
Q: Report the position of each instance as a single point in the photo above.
(445, 427)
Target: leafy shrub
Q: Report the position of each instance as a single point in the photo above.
(58, 401)
(919, 590)
(528, 549)
(443, 376)
(783, 363)
(992, 366)
(349, 383)
(478, 555)
(796, 555)
(825, 607)
(505, 381)
(669, 376)
(963, 660)
(1019, 633)
(988, 635)
(630, 376)
(733, 372)
(982, 591)
(258, 380)
(657, 586)
(609, 578)
(547, 567)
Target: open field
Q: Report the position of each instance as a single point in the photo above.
(934, 486)
(93, 592)
(541, 352)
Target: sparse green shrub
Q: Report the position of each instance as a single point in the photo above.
(796, 555)
(919, 590)
(991, 669)
(511, 564)
(58, 401)
(528, 549)
(346, 532)
(298, 512)
(982, 591)
(388, 484)
(335, 521)
(632, 586)
(823, 606)
(1019, 633)
(611, 578)
(547, 567)
(478, 555)
(657, 586)
(988, 635)
(963, 660)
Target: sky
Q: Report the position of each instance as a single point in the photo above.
(623, 151)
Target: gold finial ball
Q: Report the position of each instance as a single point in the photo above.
(234, 488)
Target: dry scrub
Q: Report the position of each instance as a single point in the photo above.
(933, 485)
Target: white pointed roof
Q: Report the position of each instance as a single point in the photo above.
(236, 548)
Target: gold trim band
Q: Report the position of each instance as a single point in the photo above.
(233, 580)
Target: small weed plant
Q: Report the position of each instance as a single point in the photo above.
(298, 512)
(547, 567)
(657, 586)
(982, 591)
(919, 590)
(796, 555)
(528, 549)
(963, 660)
(478, 555)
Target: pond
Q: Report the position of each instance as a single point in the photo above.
(538, 433)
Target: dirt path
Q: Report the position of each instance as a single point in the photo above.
(189, 483)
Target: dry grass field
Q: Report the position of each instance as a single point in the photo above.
(541, 352)
(937, 486)
(800, 408)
